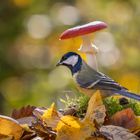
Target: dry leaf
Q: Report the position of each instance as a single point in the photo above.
(117, 133)
(138, 121)
(125, 118)
(96, 110)
(38, 112)
(51, 117)
(70, 111)
(95, 138)
(28, 135)
(5, 137)
(71, 128)
(136, 131)
(23, 112)
(10, 127)
(42, 130)
(27, 120)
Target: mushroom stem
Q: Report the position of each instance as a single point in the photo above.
(90, 50)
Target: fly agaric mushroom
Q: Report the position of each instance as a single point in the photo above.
(87, 46)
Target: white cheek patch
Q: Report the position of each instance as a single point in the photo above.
(71, 60)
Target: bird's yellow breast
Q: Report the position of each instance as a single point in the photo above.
(90, 92)
(87, 92)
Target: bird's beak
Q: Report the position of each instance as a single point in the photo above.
(59, 63)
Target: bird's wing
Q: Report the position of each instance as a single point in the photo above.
(91, 79)
(106, 83)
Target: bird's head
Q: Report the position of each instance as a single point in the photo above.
(71, 60)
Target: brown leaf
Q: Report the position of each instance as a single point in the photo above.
(42, 130)
(23, 112)
(117, 133)
(70, 111)
(27, 120)
(10, 127)
(95, 138)
(38, 112)
(125, 118)
(28, 135)
(136, 131)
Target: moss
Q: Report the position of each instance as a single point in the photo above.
(113, 105)
(80, 104)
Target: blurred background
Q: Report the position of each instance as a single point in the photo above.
(30, 47)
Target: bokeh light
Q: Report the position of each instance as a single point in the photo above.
(22, 3)
(109, 54)
(34, 56)
(68, 15)
(39, 26)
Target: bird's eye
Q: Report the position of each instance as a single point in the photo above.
(64, 57)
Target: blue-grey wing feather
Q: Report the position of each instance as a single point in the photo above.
(89, 78)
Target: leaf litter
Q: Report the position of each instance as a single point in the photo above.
(82, 119)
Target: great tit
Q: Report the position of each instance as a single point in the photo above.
(90, 80)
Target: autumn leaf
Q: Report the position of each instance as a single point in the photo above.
(71, 128)
(38, 112)
(117, 133)
(125, 118)
(51, 117)
(136, 131)
(10, 127)
(23, 112)
(138, 121)
(95, 138)
(5, 137)
(24, 115)
(96, 110)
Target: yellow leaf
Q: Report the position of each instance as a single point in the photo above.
(71, 128)
(138, 120)
(136, 130)
(10, 127)
(96, 110)
(51, 117)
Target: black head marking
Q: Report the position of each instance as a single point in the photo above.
(73, 67)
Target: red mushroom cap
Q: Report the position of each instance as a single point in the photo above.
(83, 29)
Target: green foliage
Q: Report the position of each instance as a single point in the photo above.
(69, 102)
(80, 104)
(135, 106)
(112, 104)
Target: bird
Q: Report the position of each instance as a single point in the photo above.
(89, 80)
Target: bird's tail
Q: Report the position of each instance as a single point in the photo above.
(128, 94)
